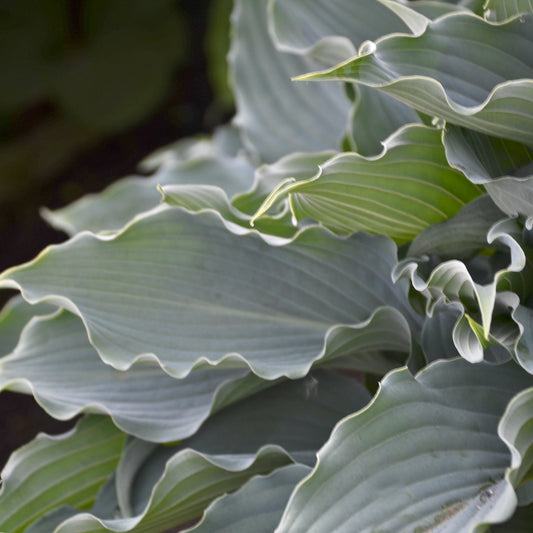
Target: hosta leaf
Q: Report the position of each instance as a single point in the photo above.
(515, 429)
(376, 116)
(120, 202)
(51, 520)
(275, 115)
(433, 9)
(424, 455)
(499, 10)
(55, 362)
(257, 506)
(376, 345)
(197, 198)
(475, 345)
(519, 523)
(14, 316)
(105, 506)
(452, 70)
(53, 471)
(297, 415)
(267, 177)
(296, 166)
(224, 142)
(453, 281)
(352, 193)
(299, 25)
(190, 482)
(502, 166)
(462, 235)
(524, 348)
(183, 289)
(163, 486)
(513, 196)
(437, 333)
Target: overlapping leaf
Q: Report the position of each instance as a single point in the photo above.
(160, 486)
(375, 117)
(437, 461)
(197, 198)
(183, 289)
(299, 25)
(524, 346)
(519, 523)
(53, 471)
(55, 362)
(453, 70)
(257, 506)
(504, 167)
(13, 317)
(191, 481)
(399, 193)
(275, 115)
(515, 429)
(453, 281)
(203, 163)
(332, 32)
(462, 235)
(296, 166)
(499, 10)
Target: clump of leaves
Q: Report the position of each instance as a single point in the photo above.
(317, 320)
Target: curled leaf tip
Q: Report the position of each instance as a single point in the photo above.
(366, 48)
(272, 198)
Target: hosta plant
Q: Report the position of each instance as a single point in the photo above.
(317, 320)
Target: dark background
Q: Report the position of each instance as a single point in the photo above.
(189, 103)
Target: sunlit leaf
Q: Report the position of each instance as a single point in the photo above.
(399, 193)
(499, 10)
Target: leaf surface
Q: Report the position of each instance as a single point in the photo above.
(500, 10)
(55, 362)
(275, 115)
(428, 446)
(53, 471)
(353, 193)
(257, 506)
(14, 316)
(453, 70)
(184, 290)
(461, 235)
(375, 117)
(113, 208)
(453, 281)
(159, 487)
(299, 25)
(504, 167)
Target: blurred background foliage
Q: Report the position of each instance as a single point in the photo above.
(90, 87)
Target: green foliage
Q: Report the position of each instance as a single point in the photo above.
(222, 324)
